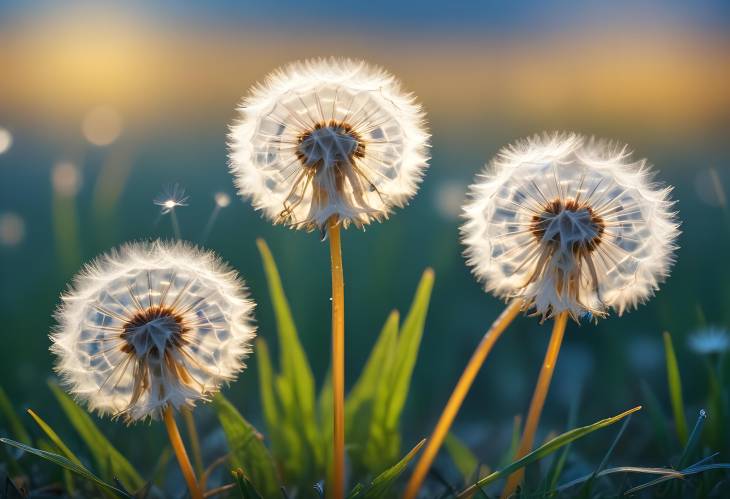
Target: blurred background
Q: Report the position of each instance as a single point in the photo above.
(103, 104)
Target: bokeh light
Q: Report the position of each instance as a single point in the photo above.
(66, 178)
(12, 229)
(6, 140)
(222, 199)
(449, 198)
(102, 125)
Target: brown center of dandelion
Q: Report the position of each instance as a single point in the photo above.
(570, 224)
(152, 331)
(330, 144)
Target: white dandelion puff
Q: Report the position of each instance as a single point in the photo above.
(710, 340)
(567, 223)
(150, 326)
(325, 138)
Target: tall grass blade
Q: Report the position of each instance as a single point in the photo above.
(67, 464)
(110, 462)
(50, 433)
(693, 440)
(692, 470)
(382, 484)
(556, 468)
(383, 443)
(409, 342)
(675, 389)
(464, 459)
(245, 487)
(545, 450)
(586, 492)
(296, 386)
(658, 419)
(16, 425)
(366, 404)
(247, 450)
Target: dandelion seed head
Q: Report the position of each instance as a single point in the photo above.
(324, 138)
(152, 325)
(568, 223)
(709, 340)
(170, 198)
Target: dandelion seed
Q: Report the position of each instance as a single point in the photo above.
(328, 138)
(172, 197)
(222, 200)
(566, 223)
(152, 326)
(709, 341)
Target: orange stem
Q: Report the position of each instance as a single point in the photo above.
(538, 401)
(457, 397)
(181, 454)
(338, 361)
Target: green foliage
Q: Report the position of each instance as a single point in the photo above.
(675, 389)
(545, 450)
(65, 463)
(300, 425)
(109, 461)
(248, 451)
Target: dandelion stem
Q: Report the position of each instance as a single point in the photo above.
(538, 401)
(181, 454)
(457, 397)
(338, 361)
(187, 413)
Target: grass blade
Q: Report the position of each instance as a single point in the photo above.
(110, 462)
(409, 341)
(675, 389)
(245, 487)
(692, 470)
(556, 469)
(298, 406)
(589, 483)
(464, 459)
(247, 450)
(693, 440)
(366, 404)
(382, 484)
(60, 445)
(546, 449)
(16, 425)
(67, 464)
